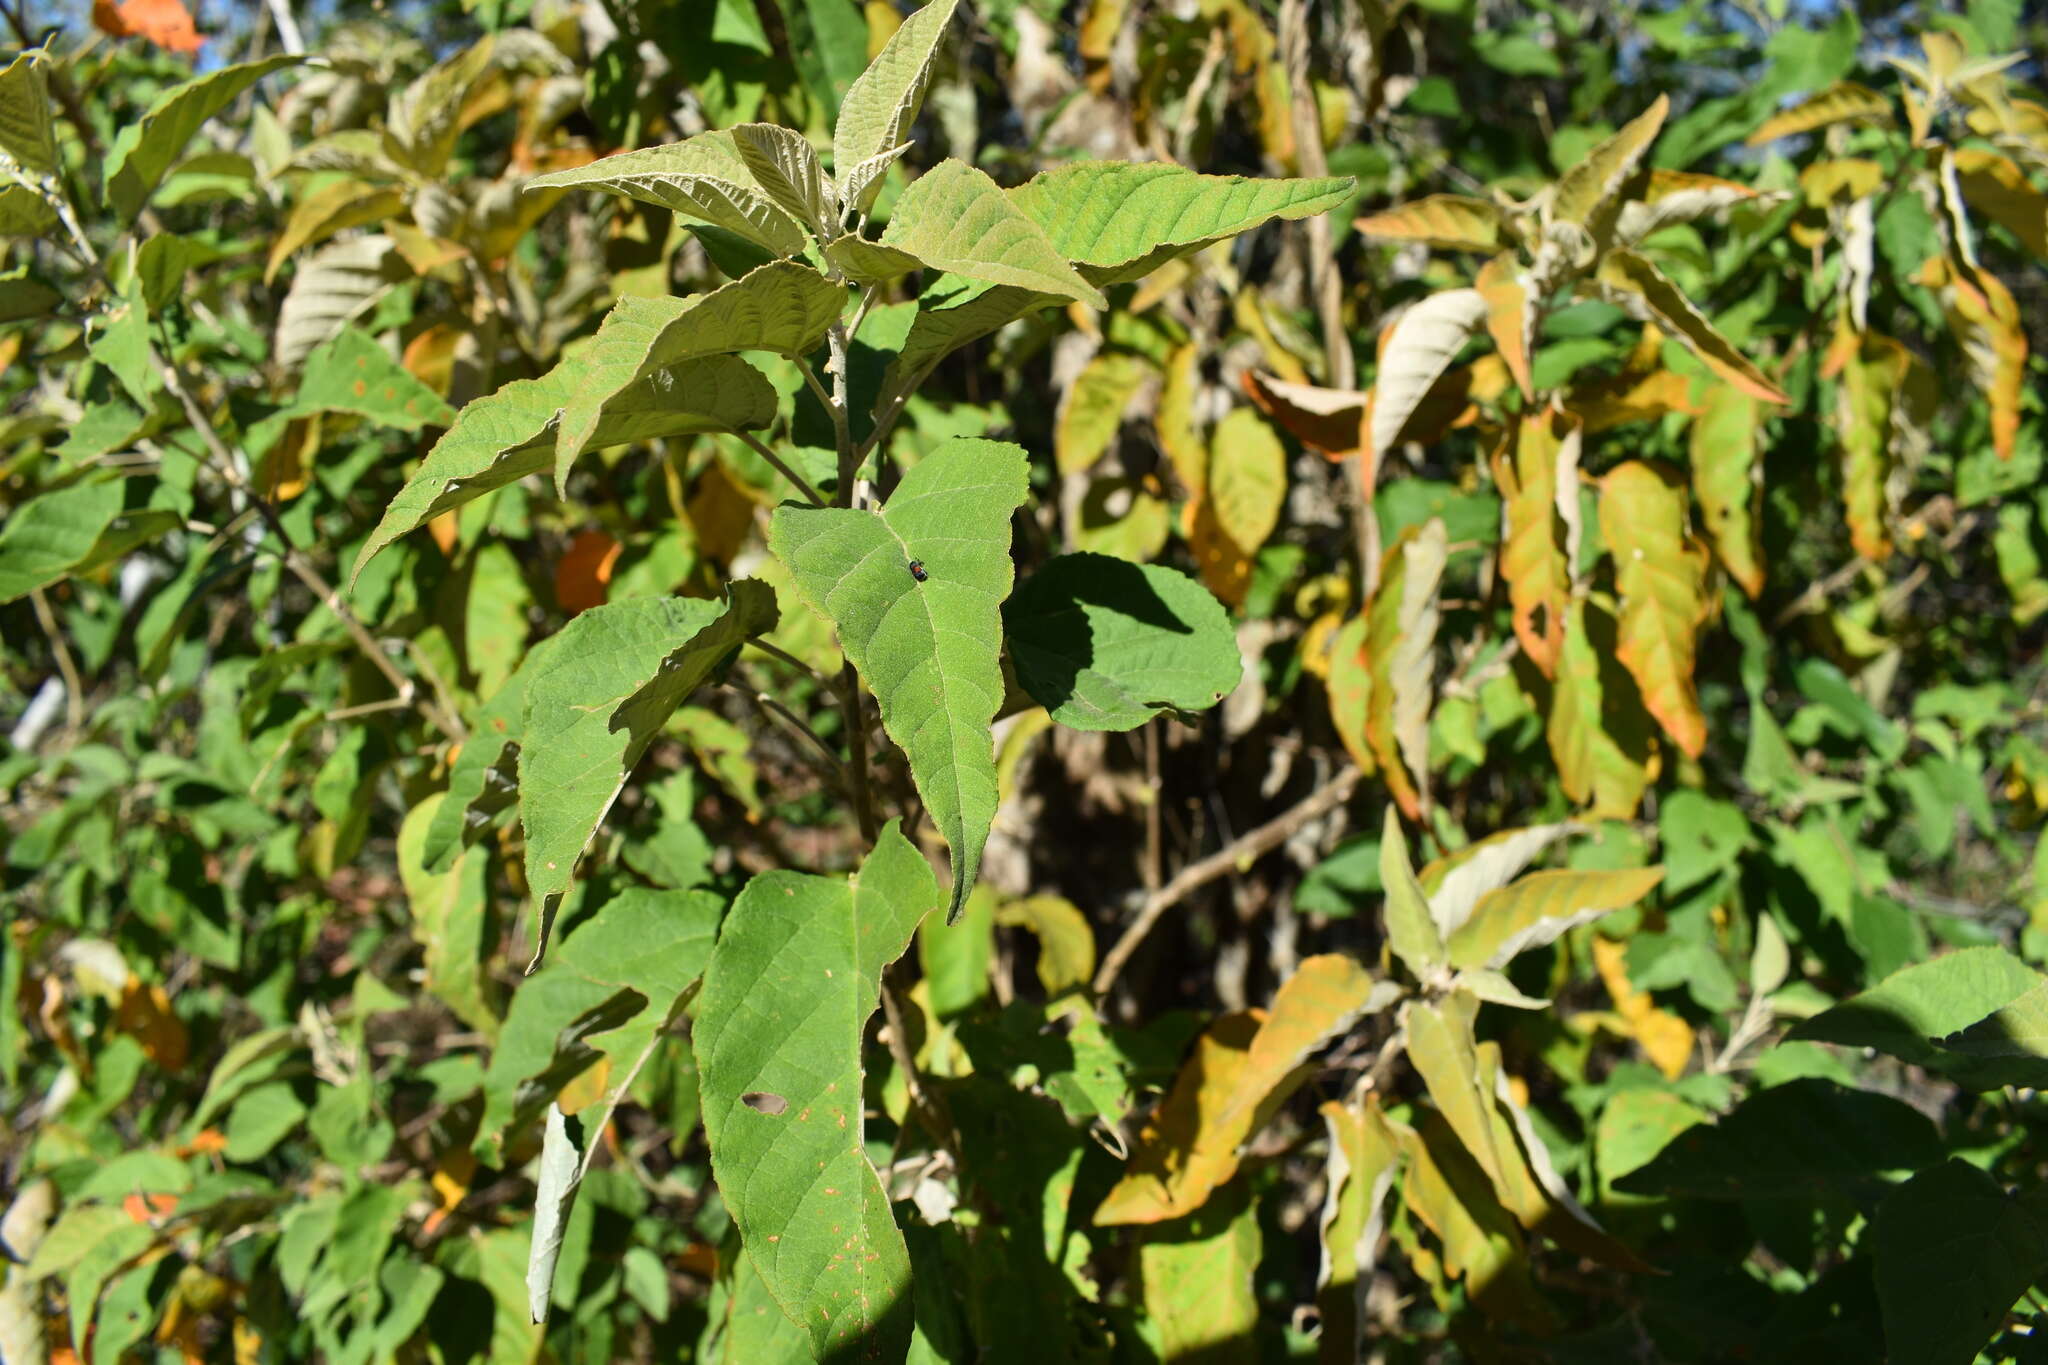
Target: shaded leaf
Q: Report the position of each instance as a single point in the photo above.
(1093, 408)
(1400, 646)
(785, 166)
(449, 912)
(1197, 1280)
(1951, 1251)
(332, 288)
(27, 125)
(1597, 728)
(1329, 420)
(1105, 644)
(1363, 1161)
(72, 530)
(1873, 371)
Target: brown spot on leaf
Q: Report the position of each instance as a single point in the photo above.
(763, 1102)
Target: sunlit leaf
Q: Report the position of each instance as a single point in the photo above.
(929, 649)
(1631, 282)
(703, 177)
(1414, 353)
(1400, 646)
(1842, 102)
(883, 101)
(1541, 906)
(1454, 222)
(778, 1035)
(1589, 194)
(142, 151)
(1727, 479)
(1661, 574)
(1598, 730)
(1532, 554)
(955, 218)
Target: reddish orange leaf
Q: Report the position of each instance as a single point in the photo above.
(1532, 557)
(584, 573)
(167, 23)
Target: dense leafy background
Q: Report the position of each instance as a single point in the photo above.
(1716, 596)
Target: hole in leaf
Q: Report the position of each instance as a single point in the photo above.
(761, 1102)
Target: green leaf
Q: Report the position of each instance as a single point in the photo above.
(1197, 1278)
(1662, 577)
(597, 702)
(778, 1035)
(485, 777)
(23, 212)
(1411, 930)
(606, 991)
(1913, 1011)
(928, 650)
(449, 912)
(785, 166)
(144, 150)
(703, 177)
(72, 530)
(1105, 644)
(27, 134)
(353, 373)
(1800, 1140)
(512, 433)
(1727, 479)
(784, 306)
(955, 218)
(956, 958)
(1117, 221)
(952, 312)
(1599, 733)
(882, 102)
(1951, 1252)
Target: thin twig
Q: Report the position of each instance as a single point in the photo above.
(74, 688)
(803, 485)
(1241, 853)
(776, 710)
(776, 652)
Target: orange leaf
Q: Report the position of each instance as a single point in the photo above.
(1329, 420)
(1532, 557)
(145, 1014)
(1665, 1038)
(147, 1208)
(1242, 1070)
(430, 357)
(584, 572)
(721, 513)
(167, 23)
(1662, 576)
(1509, 320)
(1598, 732)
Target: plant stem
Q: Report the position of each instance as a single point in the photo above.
(849, 462)
(857, 749)
(1240, 853)
(762, 449)
(74, 687)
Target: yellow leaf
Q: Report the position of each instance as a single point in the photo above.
(1247, 478)
(1174, 420)
(1363, 1158)
(1225, 566)
(1631, 397)
(1871, 375)
(721, 513)
(1727, 478)
(1509, 319)
(1399, 647)
(1481, 1244)
(1661, 573)
(1590, 193)
(1996, 187)
(1842, 102)
(1840, 180)
(328, 210)
(1066, 943)
(1441, 1047)
(145, 1014)
(1666, 1039)
(1454, 222)
(1094, 408)
(1242, 1070)
(1532, 554)
(1598, 731)
(1631, 282)
(1349, 678)
(1986, 322)
(1536, 909)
